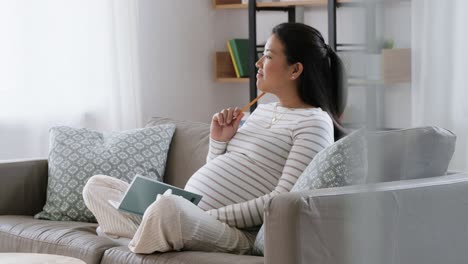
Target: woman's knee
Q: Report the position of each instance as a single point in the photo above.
(93, 182)
(165, 207)
(161, 223)
(98, 179)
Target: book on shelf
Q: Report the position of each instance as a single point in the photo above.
(233, 60)
(239, 50)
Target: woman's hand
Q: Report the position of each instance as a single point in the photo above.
(224, 124)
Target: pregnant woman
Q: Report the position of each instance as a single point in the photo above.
(245, 166)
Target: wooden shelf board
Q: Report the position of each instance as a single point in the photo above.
(231, 6)
(232, 80)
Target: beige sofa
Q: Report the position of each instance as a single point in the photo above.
(408, 221)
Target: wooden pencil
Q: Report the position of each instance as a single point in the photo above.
(251, 103)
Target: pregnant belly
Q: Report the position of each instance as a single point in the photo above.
(230, 179)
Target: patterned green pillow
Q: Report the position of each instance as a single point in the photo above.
(341, 164)
(77, 154)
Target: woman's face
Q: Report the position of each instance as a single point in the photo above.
(274, 73)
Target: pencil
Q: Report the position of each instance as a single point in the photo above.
(251, 103)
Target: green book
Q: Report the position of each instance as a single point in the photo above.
(233, 60)
(240, 50)
(142, 193)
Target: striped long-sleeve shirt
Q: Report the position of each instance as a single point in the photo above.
(263, 159)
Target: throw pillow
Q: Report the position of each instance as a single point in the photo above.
(77, 154)
(341, 164)
(412, 153)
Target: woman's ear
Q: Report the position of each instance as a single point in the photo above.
(297, 69)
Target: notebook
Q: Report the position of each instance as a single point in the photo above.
(142, 193)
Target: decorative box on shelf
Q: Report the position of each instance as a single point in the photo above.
(391, 66)
(396, 65)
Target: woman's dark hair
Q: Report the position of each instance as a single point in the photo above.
(323, 79)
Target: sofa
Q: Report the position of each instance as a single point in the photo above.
(411, 220)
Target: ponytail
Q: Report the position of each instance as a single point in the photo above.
(339, 92)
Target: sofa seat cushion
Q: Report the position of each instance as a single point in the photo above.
(123, 255)
(74, 239)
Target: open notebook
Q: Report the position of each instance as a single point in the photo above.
(143, 191)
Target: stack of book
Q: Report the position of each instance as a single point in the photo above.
(238, 48)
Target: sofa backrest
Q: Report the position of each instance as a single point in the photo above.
(393, 155)
(188, 149)
(412, 153)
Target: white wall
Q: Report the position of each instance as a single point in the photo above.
(179, 38)
(177, 43)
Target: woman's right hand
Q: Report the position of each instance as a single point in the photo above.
(225, 123)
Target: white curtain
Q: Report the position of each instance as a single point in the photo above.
(439, 69)
(66, 62)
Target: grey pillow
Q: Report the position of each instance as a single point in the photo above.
(341, 164)
(77, 154)
(412, 153)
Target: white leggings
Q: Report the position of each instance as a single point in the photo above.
(171, 223)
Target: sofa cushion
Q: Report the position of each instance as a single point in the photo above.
(341, 164)
(188, 150)
(413, 153)
(77, 154)
(74, 239)
(123, 255)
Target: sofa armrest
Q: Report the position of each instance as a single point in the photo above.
(23, 186)
(412, 221)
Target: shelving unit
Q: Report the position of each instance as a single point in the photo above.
(224, 71)
(290, 8)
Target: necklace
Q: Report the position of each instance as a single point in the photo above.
(275, 116)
